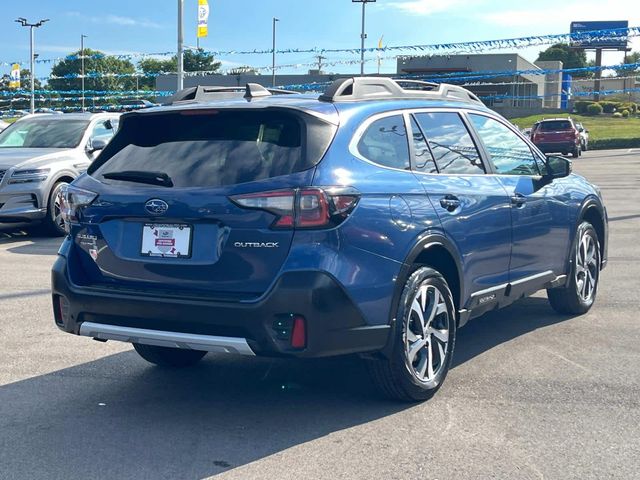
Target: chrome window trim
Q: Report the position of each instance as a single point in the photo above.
(404, 112)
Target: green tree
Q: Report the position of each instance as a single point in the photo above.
(200, 61)
(570, 57)
(96, 63)
(194, 61)
(15, 100)
(25, 81)
(633, 57)
(153, 66)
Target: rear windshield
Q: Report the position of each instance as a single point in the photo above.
(555, 125)
(199, 148)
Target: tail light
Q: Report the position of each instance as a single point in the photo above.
(72, 200)
(303, 208)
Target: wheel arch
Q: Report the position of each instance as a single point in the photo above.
(593, 212)
(60, 177)
(438, 252)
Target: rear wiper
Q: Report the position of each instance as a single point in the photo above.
(150, 178)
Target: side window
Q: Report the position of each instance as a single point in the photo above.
(510, 154)
(385, 143)
(424, 159)
(102, 130)
(450, 142)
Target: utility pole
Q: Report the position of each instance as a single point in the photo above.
(23, 21)
(180, 45)
(273, 54)
(82, 37)
(363, 35)
(320, 58)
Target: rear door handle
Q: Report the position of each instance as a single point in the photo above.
(450, 202)
(518, 200)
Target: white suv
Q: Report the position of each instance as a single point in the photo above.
(39, 154)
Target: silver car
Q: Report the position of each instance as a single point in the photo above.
(39, 154)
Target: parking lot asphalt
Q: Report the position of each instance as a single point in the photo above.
(533, 394)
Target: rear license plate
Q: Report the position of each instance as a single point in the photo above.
(166, 240)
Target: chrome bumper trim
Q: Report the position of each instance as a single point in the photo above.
(188, 341)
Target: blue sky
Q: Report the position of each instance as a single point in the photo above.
(129, 26)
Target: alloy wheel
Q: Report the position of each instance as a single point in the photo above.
(427, 333)
(586, 267)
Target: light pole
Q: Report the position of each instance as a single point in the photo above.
(23, 21)
(363, 35)
(82, 37)
(273, 55)
(180, 45)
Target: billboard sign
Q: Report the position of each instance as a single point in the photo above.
(609, 41)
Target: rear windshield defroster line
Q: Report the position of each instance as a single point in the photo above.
(216, 148)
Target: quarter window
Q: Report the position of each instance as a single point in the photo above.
(509, 154)
(385, 143)
(453, 149)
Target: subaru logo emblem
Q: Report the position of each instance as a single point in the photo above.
(155, 206)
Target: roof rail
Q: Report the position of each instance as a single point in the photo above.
(381, 88)
(206, 93)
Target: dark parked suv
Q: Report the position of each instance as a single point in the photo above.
(376, 219)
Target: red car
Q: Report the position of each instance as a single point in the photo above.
(557, 135)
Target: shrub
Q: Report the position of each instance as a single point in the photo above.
(580, 106)
(609, 107)
(625, 113)
(617, 115)
(594, 109)
(613, 143)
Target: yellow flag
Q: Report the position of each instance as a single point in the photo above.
(14, 79)
(380, 42)
(203, 18)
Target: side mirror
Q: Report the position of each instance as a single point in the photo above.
(96, 144)
(558, 167)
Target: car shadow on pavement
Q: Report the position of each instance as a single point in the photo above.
(38, 244)
(118, 417)
(495, 328)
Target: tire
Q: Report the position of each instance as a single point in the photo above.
(168, 357)
(576, 152)
(53, 225)
(579, 295)
(412, 372)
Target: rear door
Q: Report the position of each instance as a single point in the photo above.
(473, 207)
(186, 234)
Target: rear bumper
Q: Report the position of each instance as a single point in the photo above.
(334, 325)
(555, 147)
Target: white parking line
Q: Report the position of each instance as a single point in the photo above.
(634, 150)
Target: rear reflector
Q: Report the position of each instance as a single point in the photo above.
(60, 309)
(299, 332)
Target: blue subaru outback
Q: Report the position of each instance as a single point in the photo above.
(375, 219)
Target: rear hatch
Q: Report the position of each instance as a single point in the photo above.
(163, 221)
(555, 131)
